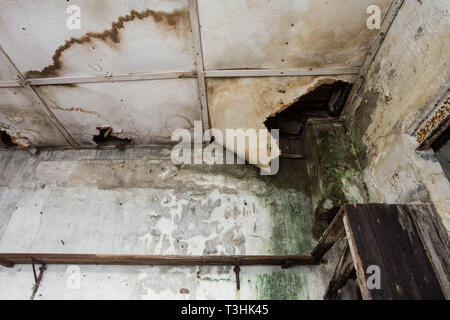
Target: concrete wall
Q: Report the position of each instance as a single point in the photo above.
(137, 202)
(410, 73)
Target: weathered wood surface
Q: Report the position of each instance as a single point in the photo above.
(386, 236)
(343, 272)
(435, 239)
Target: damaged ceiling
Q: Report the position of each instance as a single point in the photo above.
(136, 66)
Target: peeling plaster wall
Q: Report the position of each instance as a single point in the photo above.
(246, 103)
(406, 77)
(286, 33)
(137, 202)
(24, 121)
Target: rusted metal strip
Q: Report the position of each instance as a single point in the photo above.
(111, 259)
(38, 279)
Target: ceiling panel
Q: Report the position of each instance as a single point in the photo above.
(286, 33)
(116, 37)
(144, 111)
(24, 121)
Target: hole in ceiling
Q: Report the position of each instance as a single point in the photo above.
(105, 138)
(6, 140)
(326, 101)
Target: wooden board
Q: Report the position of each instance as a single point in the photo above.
(386, 236)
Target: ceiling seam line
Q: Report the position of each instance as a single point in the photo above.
(372, 53)
(40, 102)
(201, 82)
(220, 73)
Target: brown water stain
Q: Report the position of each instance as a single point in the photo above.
(169, 20)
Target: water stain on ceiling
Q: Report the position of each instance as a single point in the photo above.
(170, 21)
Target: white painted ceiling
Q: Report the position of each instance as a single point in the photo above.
(141, 37)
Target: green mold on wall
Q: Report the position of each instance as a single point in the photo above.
(282, 285)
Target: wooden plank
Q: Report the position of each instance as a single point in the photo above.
(334, 231)
(105, 259)
(288, 125)
(386, 236)
(196, 35)
(373, 50)
(435, 239)
(343, 272)
(358, 266)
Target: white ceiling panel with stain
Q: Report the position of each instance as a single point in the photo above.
(145, 111)
(25, 122)
(300, 34)
(116, 37)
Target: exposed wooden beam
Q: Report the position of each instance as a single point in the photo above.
(41, 103)
(334, 231)
(373, 50)
(114, 259)
(196, 36)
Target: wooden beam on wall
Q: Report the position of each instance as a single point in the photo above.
(9, 259)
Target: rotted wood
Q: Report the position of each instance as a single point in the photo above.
(99, 259)
(343, 272)
(386, 236)
(435, 239)
(333, 233)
